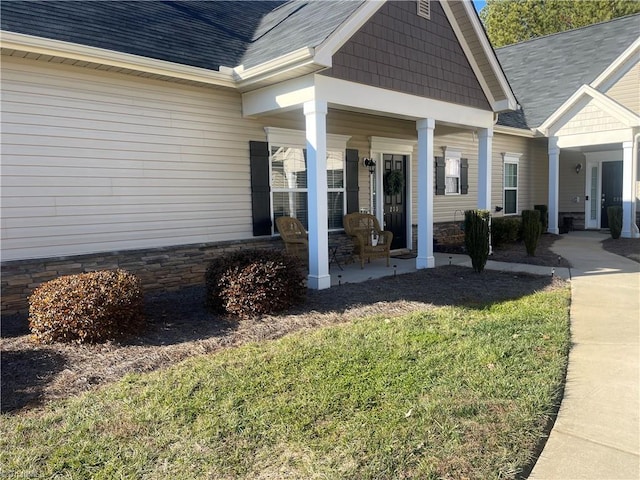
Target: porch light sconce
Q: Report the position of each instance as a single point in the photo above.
(370, 164)
(578, 168)
(498, 209)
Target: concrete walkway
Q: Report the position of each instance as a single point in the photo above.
(597, 432)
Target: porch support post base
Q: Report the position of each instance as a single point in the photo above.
(315, 282)
(429, 262)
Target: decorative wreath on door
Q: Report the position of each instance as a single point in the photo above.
(393, 182)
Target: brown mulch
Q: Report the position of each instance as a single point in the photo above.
(179, 326)
(517, 253)
(625, 247)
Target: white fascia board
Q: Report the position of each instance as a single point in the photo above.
(333, 43)
(298, 58)
(279, 97)
(518, 132)
(510, 102)
(74, 51)
(402, 105)
(579, 100)
(620, 66)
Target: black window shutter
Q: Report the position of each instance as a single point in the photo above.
(464, 176)
(440, 181)
(260, 192)
(352, 180)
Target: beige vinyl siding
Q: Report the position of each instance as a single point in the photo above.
(572, 184)
(97, 161)
(591, 119)
(627, 90)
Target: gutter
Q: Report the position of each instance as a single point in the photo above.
(74, 51)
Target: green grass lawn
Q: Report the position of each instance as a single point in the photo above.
(446, 393)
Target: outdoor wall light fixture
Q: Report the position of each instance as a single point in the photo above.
(578, 168)
(370, 164)
(498, 209)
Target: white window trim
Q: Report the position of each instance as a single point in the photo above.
(454, 154)
(511, 158)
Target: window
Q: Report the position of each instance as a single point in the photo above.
(288, 171)
(289, 185)
(511, 183)
(452, 176)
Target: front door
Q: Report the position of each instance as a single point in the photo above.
(395, 199)
(611, 189)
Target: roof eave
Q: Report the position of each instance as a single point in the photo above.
(613, 72)
(58, 48)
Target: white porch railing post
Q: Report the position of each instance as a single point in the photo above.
(554, 184)
(426, 173)
(315, 113)
(485, 140)
(629, 227)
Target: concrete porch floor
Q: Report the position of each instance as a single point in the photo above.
(352, 273)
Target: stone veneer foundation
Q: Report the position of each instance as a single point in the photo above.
(159, 269)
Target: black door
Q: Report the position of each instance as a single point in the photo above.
(394, 204)
(611, 189)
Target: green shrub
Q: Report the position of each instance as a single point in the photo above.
(88, 307)
(505, 230)
(544, 216)
(531, 230)
(615, 220)
(476, 237)
(254, 282)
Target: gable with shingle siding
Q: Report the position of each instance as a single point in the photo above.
(399, 50)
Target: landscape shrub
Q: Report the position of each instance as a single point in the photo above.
(531, 230)
(505, 230)
(544, 216)
(254, 282)
(87, 307)
(615, 221)
(476, 237)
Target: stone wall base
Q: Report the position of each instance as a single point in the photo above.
(159, 269)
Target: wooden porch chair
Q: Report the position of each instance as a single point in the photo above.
(294, 237)
(362, 228)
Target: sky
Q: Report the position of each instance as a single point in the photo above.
(479, 4)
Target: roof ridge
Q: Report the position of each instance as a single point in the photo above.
(530, 40)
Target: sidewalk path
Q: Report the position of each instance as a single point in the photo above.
(597, 432)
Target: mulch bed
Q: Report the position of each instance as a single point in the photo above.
(625, 247)
(179, 326)
(517, 253)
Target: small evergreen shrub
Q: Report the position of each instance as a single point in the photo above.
(531, 230)
(254, 282)
(505, 230)
(615, 221)
(86, 308)
(476, 237)
(544, 216)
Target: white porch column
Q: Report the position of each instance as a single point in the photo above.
(554, 184)
(485, 141)
(426, 172)
(629, 227)
(315, 113)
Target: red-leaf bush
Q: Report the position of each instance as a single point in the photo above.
(254, 282)
(87, 307)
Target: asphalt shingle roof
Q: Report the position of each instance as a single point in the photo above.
(546, 71)
(206, 34)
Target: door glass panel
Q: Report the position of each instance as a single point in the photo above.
(593, 195)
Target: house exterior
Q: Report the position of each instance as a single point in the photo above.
(153, 136)
(580, 91)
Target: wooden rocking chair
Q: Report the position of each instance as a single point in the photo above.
(369, 241)
(294, 237)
